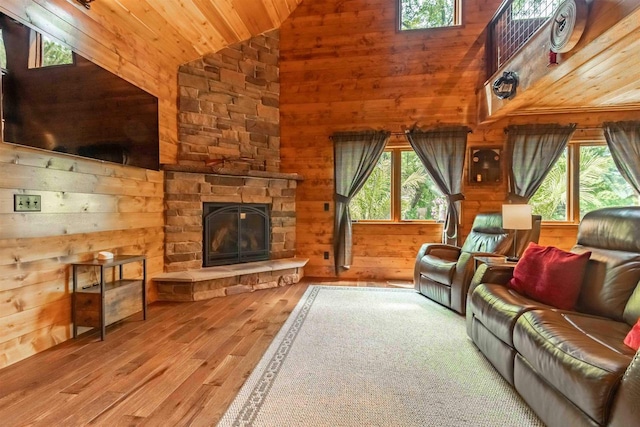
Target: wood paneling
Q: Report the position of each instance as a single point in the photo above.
(90, 206)
(599, 74)
(87, 206)
(345, 67)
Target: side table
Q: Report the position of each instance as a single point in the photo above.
(492, 260)
(107, 302)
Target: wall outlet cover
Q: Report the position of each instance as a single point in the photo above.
(26, 203)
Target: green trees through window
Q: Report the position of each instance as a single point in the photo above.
(399, 189)
(532, 9)
(420, 198)
(45, 52)
(54, 53)
(417, 14)
(599, 185)
(3, 53)
(373, 201)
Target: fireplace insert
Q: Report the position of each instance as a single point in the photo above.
(235, 233)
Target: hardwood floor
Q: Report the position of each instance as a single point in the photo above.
(183, 366)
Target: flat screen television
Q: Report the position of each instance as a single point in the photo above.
(54, 99)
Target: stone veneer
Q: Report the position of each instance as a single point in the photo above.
(185, 192)
(229, 107)
(228, 152)
(220, 281)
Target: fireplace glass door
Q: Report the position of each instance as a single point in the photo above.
(235, 233)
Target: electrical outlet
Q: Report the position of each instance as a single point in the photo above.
(26, 203)
(326, 255)
(326, 207)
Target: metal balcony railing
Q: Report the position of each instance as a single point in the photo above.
(515, 22)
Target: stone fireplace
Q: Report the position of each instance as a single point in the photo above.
(191, 196)
(187, 194)
(228, 161)
(235, 233)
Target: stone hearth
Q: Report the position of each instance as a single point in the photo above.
(213, 282)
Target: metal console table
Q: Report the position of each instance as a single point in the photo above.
(107, 302)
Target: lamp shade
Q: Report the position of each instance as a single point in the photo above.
(516, 217)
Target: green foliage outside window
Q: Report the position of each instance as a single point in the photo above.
(600, 185)
(532, 9)
(54, 53)
(373, 201)
(419, 197)
(3, 53)
(550, 200)
(416, 14)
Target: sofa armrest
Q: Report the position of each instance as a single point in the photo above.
(498, 273)
(440, 250)
(625, 410)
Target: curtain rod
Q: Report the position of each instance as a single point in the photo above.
(590, 128)
(403, 133)
(506, 129)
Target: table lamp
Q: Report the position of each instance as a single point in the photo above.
(516, 217)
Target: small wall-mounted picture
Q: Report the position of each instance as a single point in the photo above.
(485, 165)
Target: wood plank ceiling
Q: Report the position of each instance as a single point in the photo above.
(187, 29)
(602, 74)
(179, 30)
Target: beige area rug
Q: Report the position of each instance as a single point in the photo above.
(374, 357)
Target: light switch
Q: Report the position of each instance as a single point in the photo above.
(26, 203)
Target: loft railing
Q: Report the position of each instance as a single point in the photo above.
(515, 22)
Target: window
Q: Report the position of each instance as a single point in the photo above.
(532, 9)
(3, 53)
(399, 189)
(45, 52)
(585, 178)
(419, 14)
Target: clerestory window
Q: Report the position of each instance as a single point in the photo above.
(420, 14)
(45, 52)
(3, 53)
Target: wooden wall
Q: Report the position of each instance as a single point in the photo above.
(344, 66)
(107, 41)
(87, 206)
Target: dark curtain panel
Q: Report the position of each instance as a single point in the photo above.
(356, 155)
(532, 150)
(442, 152)
(623, 139)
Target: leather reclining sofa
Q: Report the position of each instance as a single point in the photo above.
(571, 367)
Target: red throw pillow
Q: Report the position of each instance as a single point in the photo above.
(550, 275)
(633, 337)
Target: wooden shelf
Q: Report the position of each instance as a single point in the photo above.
(105, 303)
(108, 286)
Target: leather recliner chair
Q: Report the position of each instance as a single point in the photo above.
(443, 272)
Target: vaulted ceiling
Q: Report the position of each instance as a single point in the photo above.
(187, 29)
(180, 30)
